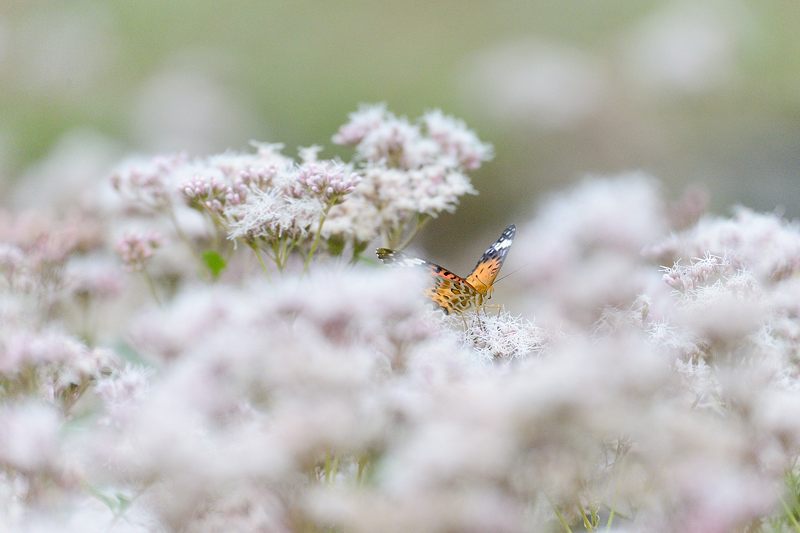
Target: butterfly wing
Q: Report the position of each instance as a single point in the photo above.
(450, 291)
(485, 272)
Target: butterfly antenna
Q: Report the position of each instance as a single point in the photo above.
(498, 280)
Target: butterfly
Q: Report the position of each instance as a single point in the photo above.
(450, 291)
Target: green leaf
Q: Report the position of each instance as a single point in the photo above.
(358, 249)
(336, 246)
(215, 262)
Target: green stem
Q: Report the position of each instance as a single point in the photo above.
(790, 515)
(586, 522)
(286, 249)
(152, 286)
(334, 469)
(561, 519)
(254, 247)
(277, 255)
(331, 467)
(610, 518)
(124, 508)
(317, 237)
(363, 461)
(421, 222)
(394, 237)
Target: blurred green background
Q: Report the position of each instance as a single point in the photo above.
(693, 92)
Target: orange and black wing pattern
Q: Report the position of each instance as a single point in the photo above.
(485, 272)
(450, 291)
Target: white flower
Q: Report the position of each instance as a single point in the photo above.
(270, 213)
(29, 441)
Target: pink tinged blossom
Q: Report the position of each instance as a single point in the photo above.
(396, 143)
(30, 349)
(135, 249)
(361, 123)
(309, 154)
(456, 140)
(47, 240)
(94, 277)
(381, 138)
(122, 391)
(148, 181)
(209, 193)
(257, 176)
(328, 181)
(697, 273)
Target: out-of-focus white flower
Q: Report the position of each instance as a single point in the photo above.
(123, 388)
(136, 250)
(456, 140)
(380, 137)
(188, 106)
(148, 181)
(719, 313)
(360, 123)
(582, 252)
(760, 243)
(48, 241)
(70, 174)
(685, 47)
(38, 348)
(357, 219)
(542, 84)
(29, 441)
(93, 276)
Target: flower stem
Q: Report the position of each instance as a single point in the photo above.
(317, 237)
(790, 515)
(363, 462)
(421, 222)
(560, 516)
(331, 466)
(152, 286)
(253, 247)
(611, 514)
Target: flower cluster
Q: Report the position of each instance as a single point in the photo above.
(650, 393)
(329, 181)
(136, 250)
(145, 182)
(412, 172)
(401, 176)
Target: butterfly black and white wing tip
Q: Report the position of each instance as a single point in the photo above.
(505, 240)
(384, 253)
(395, 257)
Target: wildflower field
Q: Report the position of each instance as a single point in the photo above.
(208, 343)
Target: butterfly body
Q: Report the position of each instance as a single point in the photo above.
(450, 291)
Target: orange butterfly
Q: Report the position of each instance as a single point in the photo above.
(450, 291)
